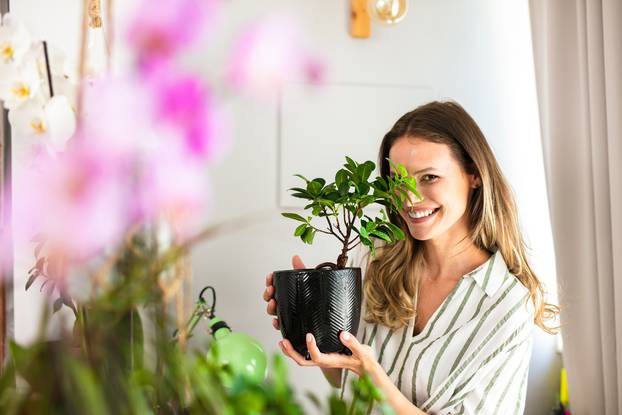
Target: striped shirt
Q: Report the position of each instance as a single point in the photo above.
(472, 356)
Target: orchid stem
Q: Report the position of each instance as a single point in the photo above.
(47, 68)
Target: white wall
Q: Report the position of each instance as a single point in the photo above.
(476, 52)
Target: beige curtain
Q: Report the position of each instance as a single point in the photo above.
(578, 57)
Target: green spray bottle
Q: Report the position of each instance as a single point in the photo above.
(241, 353)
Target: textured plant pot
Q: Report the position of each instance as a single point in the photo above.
(322, 302)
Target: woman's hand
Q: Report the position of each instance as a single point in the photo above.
(268, 294)
(362, 360)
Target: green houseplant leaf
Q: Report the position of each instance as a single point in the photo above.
(342, 203)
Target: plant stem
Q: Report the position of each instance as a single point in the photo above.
(326, 232)
(338, 227)
(330, 226)
(354, 246)
(47, 68)
(342, 260)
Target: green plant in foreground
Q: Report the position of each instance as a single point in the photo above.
(60, 381)
(346, 198)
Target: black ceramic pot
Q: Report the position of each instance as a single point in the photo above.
(322, 302)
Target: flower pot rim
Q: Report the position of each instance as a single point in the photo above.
(315, 270)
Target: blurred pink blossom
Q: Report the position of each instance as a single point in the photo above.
(119, 114)
(172, 187)
(269, 53)
(185, 103)
(77, 200)
(163, 28)
(162, 128)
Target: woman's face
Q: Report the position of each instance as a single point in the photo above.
(442, 183)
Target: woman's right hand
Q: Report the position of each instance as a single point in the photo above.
(268, 294)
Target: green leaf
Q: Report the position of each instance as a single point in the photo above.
(368, 168)
(321, 181)
(307, 235)
(363, 232)
(397, 231)
(304, 195)
(337, 406)
(341, 176)
(302, 177)
(350, 165)
(343, 188)
(380, 184)
(314, 188)
(332, 195)
(395, 169)
(381, 235)
(326, 202)
(351, 162)
(294, 216)
(364, 188)
(85, 386)
(402, 170)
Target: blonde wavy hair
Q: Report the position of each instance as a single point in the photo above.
(390, 285)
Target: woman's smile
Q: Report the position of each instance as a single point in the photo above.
(422, 215)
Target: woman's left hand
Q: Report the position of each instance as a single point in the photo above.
(362, 360)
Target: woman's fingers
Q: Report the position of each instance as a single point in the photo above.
(351, 342)
(289, 351)
(327, 360)
(269, 280)
(275, 323)
(323, 360)
(297, 262)
(271, 307)
(268, 293)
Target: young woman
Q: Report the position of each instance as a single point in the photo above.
(447, 313)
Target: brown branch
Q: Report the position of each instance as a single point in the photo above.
(353, 240)
(338, 227)
(326, 232)
(327, 264)
(330, 226)
(354, 246)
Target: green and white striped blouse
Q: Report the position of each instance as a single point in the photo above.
(472, 357)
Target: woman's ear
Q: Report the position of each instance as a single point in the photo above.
(475, 181)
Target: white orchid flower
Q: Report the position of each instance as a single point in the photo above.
(19, 83)
(47, 124)
(59, 64)
(14, 40)
(66, 86)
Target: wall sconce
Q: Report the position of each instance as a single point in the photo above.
(389, 11)
(386, 11)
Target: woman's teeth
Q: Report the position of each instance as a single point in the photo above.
(421, 213)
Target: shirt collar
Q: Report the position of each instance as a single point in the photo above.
(490, 275)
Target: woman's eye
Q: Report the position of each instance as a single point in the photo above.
(429, 178)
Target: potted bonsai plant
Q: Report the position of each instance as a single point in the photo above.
(326, 300)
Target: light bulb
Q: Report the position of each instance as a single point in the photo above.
(389, 11)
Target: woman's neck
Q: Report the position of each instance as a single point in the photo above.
(452, 260)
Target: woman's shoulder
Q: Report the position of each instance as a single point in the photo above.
(506, 296)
